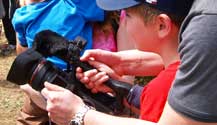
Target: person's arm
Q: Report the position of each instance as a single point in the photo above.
(97, 118)
(138, 63)
(19, 47)
(130, 62)
(121, 63)
(62, 105)
(19, 25)
(171, 117)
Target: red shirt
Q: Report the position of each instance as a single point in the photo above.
(155, 94)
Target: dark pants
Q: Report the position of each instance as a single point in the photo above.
(8, 27)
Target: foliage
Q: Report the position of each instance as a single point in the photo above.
(143, 80)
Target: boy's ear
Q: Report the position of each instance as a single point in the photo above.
(164, 25)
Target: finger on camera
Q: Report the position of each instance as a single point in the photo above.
(79, 75)
(79, 70)
(94, 90)
(28, 90)
(97, 76)
(87, 86)
(101, 80)
(49, 95)
(25, 88)
(53, 87)
(91, 85)
(90, 73)
(85, 80)
(89, 55)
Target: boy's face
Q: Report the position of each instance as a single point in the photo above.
(144, 35)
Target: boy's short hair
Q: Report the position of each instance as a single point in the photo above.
(174, 7)
(147, 13)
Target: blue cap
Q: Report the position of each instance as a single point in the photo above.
(176, 7)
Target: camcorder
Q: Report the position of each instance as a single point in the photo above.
(32, 67)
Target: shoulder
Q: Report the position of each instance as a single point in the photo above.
(205, 6)
(201, 9)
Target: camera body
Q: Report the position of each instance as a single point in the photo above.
(32, 67)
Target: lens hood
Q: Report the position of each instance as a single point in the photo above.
(23, 66)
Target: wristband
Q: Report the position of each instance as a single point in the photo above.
(133, 98)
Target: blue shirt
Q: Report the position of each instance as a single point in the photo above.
(69, 18)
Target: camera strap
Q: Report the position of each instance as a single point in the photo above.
(38, 68)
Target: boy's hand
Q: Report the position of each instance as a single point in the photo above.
(94, 79)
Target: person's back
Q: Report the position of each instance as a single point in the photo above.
(194, 94)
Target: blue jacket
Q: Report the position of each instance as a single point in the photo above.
(69, 18)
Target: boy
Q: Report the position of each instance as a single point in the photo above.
(159, 34)
(154, 26)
